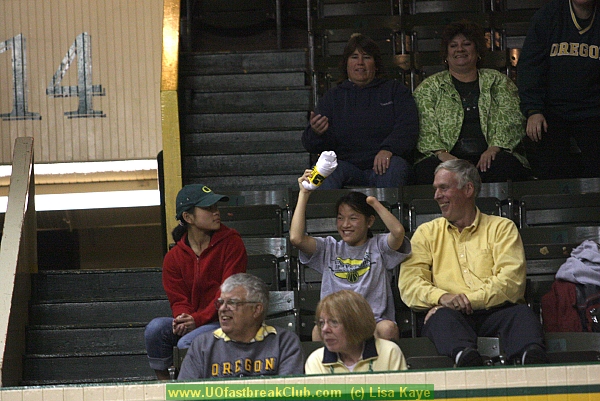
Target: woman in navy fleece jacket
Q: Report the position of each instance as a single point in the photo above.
(370, 122)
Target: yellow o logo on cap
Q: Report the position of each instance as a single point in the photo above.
(206, 189)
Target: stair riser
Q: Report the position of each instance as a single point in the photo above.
(245, 122)
(115, 368)
(241, 63)
(248, 102)
(78, 341)
(231, 82)
(96, 313)
(263, 165)
(245, 182)
(242, 143)
(82, 285)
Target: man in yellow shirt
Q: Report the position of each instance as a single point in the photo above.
(467, 271)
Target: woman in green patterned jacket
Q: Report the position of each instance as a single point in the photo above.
(469, 113)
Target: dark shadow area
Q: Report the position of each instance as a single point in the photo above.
(58, 250)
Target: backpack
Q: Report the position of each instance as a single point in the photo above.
(588, 306)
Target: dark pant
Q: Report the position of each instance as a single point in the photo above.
(160, 340)
(515, 325)
(347, 174)
(570, 149)
(503, 168)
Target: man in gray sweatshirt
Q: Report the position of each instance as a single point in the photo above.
(243, 345)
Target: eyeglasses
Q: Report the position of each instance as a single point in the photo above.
(232, 303)
(334, 324)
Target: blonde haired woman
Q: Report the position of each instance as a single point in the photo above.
(347, 324)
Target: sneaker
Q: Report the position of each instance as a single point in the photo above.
(468, 357)
(534, 354)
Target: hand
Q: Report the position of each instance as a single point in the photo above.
(431, 312)
(304, 177)
(445, 156)
(458, 302)
(382, 162)
(372, 201)
(183, 324)
(318, 123)
(536, 124)
(486, 158)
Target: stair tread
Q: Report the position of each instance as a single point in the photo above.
(133, 298)
(99, 271)
(85, 354)
(88, 326)
(119, 379)
(193, 72)
(241, 90)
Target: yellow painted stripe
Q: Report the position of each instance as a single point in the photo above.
(170, 111)
(170, 54)
(171, 155)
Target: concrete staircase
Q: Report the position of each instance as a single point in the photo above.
(87, 326)
(242, 115)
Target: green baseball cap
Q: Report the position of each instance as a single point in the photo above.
(196, 195)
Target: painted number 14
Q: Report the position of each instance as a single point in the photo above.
(85, 90)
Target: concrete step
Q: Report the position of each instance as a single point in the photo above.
(86, 285)
(257, 101)
(227, 143)
(60, 340)
(244, 81)
(97, 313)
(100, 368)
(254, 164)
(242, 62)
(232, 122)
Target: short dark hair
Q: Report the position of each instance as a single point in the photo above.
(358, 202)
(471, 30)
(365, 44)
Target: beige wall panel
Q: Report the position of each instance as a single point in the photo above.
(126, 47)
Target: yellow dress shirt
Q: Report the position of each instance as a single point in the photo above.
(486, 262)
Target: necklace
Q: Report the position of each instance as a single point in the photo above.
(469, 101)
(469, 94)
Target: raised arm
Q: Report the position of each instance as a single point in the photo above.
(396, 237)
(298, 237)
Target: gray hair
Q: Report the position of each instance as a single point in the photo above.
(465, 172)
(256, 289)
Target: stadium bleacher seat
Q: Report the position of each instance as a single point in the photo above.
(571, 347)
(278, 248)
(559, 209)
(254, 220)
